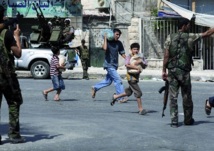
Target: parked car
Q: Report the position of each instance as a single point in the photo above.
(36, 58)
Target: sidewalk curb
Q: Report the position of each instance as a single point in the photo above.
(147, 74)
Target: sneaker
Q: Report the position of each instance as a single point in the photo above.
(191, 122)
(93, 92)
(143, 112)
(16, 140)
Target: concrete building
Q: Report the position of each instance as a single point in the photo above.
(138, 22)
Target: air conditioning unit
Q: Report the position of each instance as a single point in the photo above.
(99, 4)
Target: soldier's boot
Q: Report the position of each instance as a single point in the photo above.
(174, 124)
(14, 136)
(17, 139)
(85, 75)
(188, 120)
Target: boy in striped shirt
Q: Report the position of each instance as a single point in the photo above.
(56, 76)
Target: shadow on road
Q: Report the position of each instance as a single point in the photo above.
(202, 122)
(31, 134)
(69, 100)
(148, 111)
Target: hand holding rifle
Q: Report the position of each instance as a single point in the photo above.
(165, 88)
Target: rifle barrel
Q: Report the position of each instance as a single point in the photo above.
(35, 7)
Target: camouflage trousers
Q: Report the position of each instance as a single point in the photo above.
(85, 65)
(12, 94)
(180, 79)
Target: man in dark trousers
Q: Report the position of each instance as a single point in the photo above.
(10, 46)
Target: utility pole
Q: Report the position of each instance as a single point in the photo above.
(193, 5)
(132, 4)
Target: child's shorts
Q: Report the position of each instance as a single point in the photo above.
(58, 82)
(133, 87)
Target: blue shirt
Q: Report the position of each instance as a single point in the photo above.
(111, 56)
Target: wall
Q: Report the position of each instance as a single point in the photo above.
(201, 6)
(182, 3)
(152, 43)
(205, 6)
(50, 8)
(124, 11)
(95, 26)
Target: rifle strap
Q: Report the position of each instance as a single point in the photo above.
(2, 35)
(3, 32)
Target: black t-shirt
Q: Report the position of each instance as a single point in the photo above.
(9, 40)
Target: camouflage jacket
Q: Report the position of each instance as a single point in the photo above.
(180, 47)
(84, 52)
(6, 59)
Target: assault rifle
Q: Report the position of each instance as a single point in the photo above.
(11, 22)
(165, 88)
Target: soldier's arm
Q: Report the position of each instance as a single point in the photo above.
(165, 60)
(195, 37)
(77, 49)
(166, 57)
(208, 33)
(17, 50)
(1, 26)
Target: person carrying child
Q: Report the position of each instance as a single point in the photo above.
(56, 76)
(133, 77)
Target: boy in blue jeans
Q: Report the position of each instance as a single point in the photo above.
(56, 76)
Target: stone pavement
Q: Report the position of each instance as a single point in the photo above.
(147, 74)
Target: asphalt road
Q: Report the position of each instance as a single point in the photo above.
(79, 123)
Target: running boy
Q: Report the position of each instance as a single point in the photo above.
(56, 77)
(133, 79)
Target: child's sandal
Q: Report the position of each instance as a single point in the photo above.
(113, 100)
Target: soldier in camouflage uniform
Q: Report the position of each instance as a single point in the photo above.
(83, 52)
(9, 86)
(178, 60)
